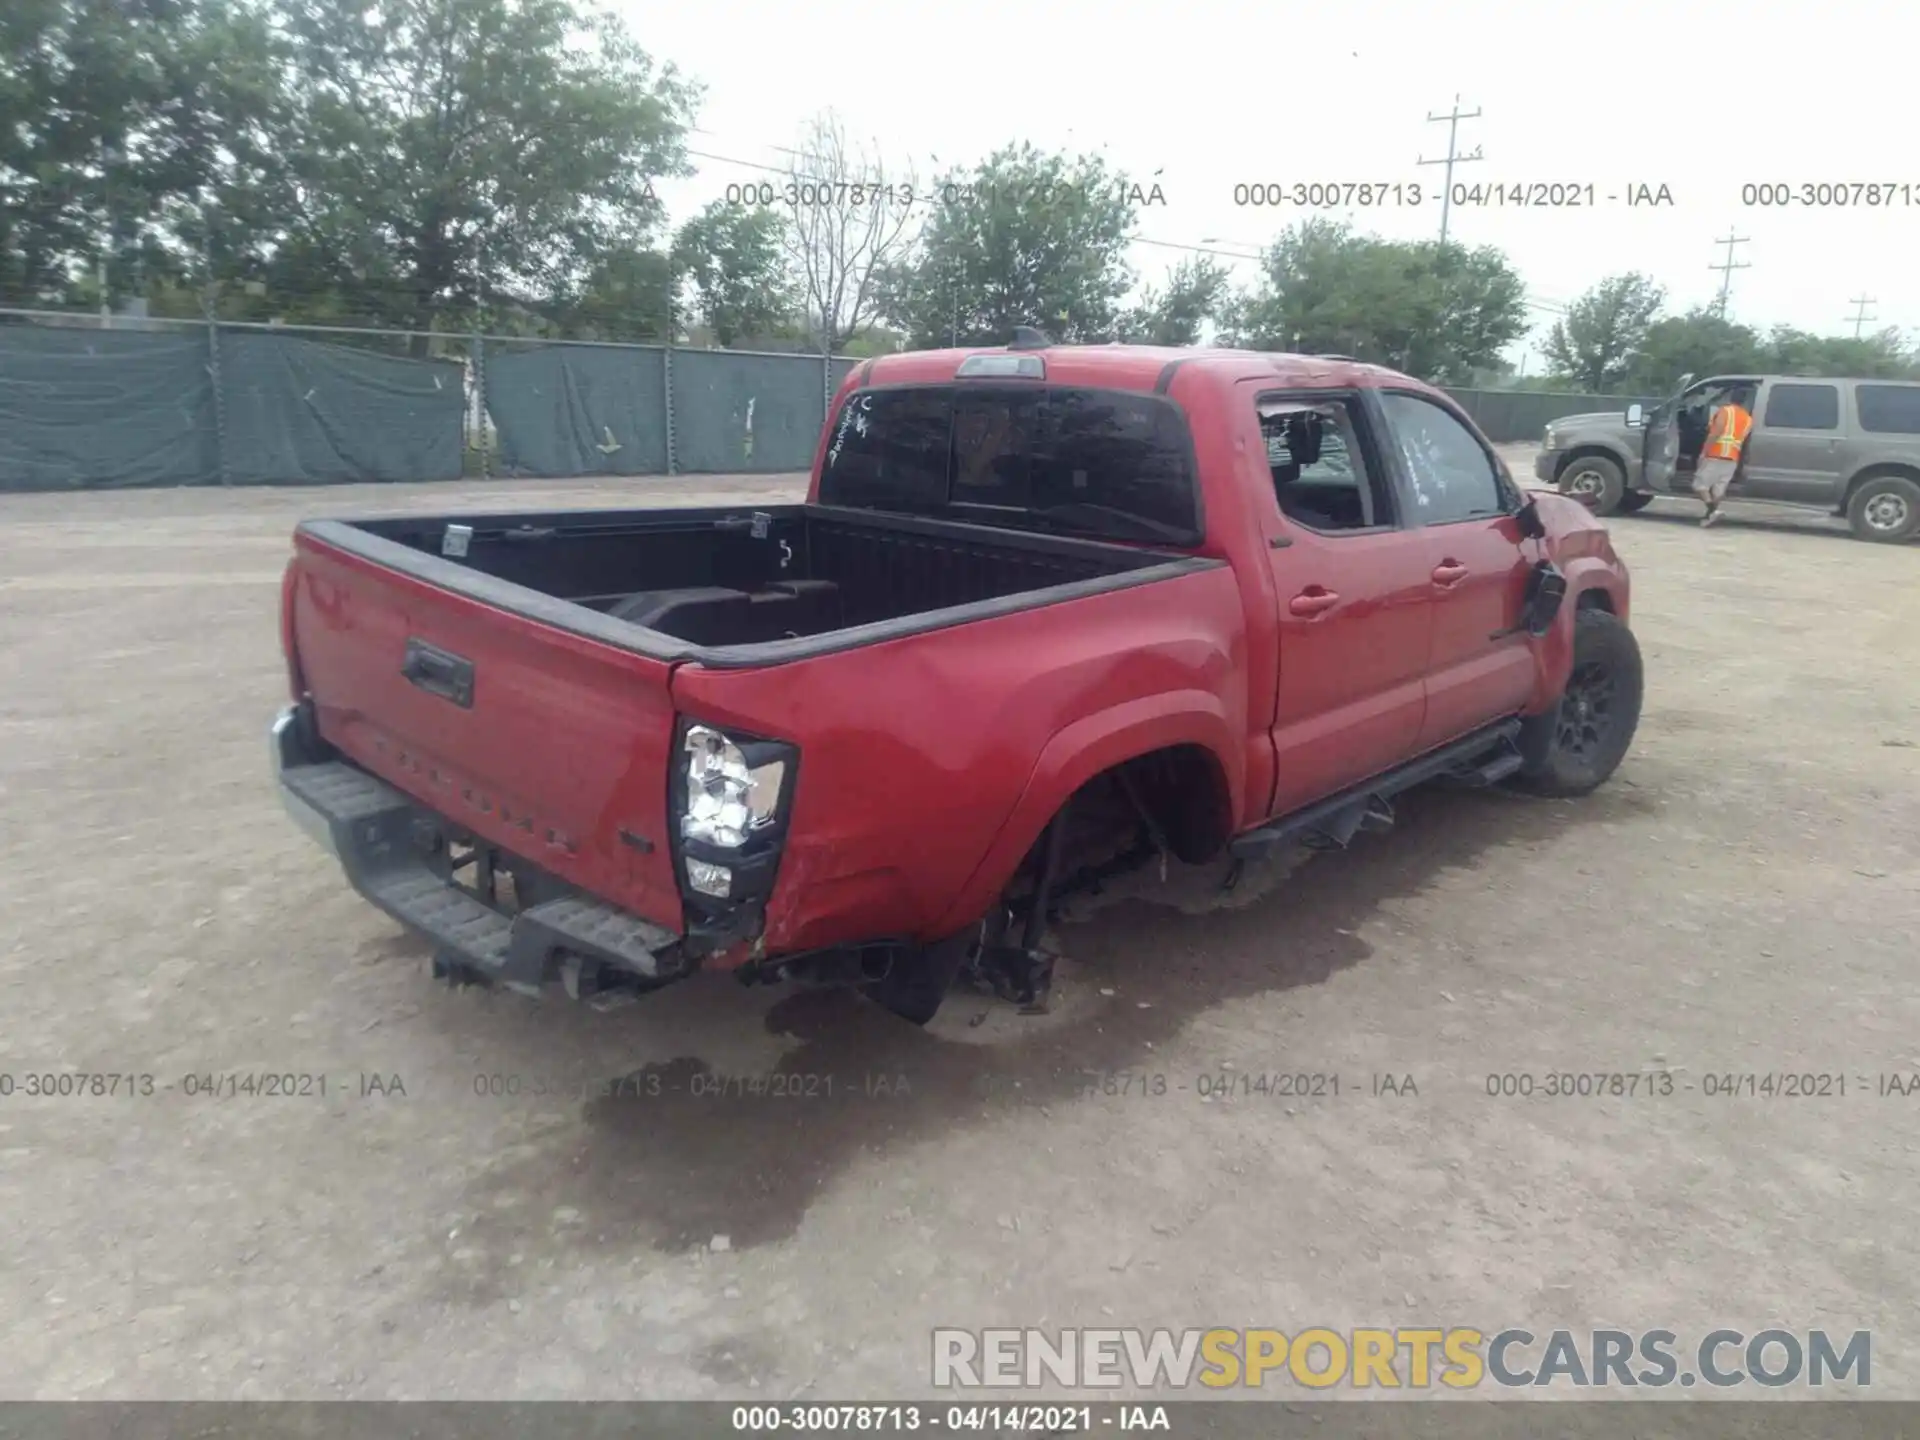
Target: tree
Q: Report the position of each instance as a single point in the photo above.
(1194, 294)
(1700, 342)
(1880, 356)
(122, 127)
(626, 295)
(1024, 238)
(1598, 343)
(445, 152)
(1440, 311)
(849, 221)
(735, 258)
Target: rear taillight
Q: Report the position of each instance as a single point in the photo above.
(289, 587)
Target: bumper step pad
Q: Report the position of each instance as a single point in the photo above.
(371, 827)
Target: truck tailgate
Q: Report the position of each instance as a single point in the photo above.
(551, 746)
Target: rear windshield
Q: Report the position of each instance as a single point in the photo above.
(1104, 463)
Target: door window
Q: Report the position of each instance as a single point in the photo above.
(1321, 478)
(1452, 475)
(1803, 407)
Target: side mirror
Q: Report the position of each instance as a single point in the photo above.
(1636, 415)
(1528, 519)
(1546, 590)
(1304, 436)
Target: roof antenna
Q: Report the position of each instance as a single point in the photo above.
(1025, 337)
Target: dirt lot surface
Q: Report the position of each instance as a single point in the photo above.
(1743, 899)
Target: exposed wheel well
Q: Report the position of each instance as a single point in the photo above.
(1594, 599)
(1184, 790)
(1175, 797)
(1876, 472)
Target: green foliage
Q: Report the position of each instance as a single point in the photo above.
(1881, 356)
(121, 126)
(874, 340)
(1436, 311)
(1703, 342)
(1025, 238)
(735, 258)
(445, 152)
(1195, 292)
(625, 296)
(386, 161)
(1599, 343)
(1700, 342)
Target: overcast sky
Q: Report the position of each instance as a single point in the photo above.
(1212, 95)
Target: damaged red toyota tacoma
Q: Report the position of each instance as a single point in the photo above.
(1047, 613)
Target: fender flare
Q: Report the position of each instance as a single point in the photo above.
(1585, 574)
(1074, 756)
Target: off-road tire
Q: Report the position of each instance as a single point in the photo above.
(1595, 481)
(1892, 496)
(1573, 747)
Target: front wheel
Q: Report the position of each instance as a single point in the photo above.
(1573, 747)
(1595, 481)
(1886, 510)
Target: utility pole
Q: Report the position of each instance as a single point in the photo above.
(1453, 156)
(1726, 269)
(106, 235)
(1860, 316)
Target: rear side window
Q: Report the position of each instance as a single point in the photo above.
(1803, 407)
(1889, 409)
(1105, 463)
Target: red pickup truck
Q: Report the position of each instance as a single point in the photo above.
(1047, 613)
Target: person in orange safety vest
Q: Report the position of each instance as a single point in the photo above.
(1727, 432)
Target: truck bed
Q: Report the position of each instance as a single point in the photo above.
(526, 691)
(765, 585)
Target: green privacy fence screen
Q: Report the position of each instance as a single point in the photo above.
(141, 402)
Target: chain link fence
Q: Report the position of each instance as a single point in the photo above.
(89, 402)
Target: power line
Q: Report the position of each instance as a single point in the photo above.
(1453, 156)
(1726, 269)
(1860, 316)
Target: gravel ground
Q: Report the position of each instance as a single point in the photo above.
(1742, 899)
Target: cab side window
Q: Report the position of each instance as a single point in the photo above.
(1453, 476)
(1803, 407)
(1321, 478)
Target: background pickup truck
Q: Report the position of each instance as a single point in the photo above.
(1046, 613)
(1848, 447)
